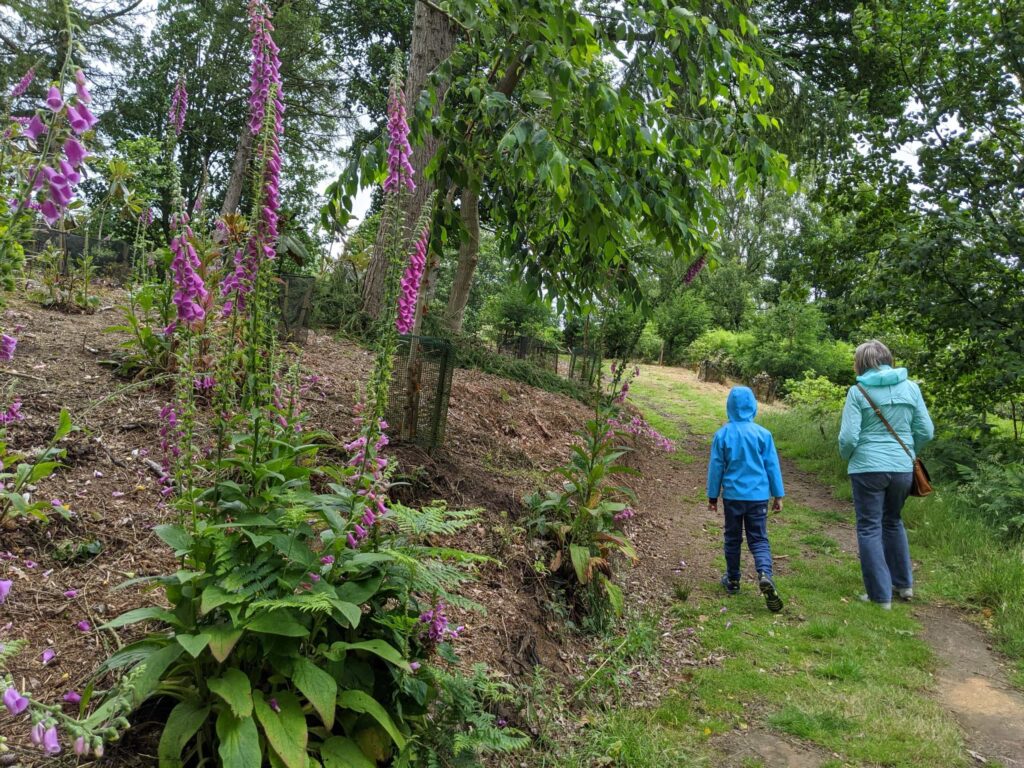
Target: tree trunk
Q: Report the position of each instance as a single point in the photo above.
(236, 181)
(433, 41)
(469, 254)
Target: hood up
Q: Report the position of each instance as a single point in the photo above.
(883, 376)
(741, 405)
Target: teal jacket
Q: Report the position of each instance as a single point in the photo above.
(864, 441)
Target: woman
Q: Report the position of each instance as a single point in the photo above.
(880, 470)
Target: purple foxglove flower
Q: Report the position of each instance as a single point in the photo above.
(75, 152)
(47, 656)
(7, 346)
(51, 742)
(36, 127)
(179, 106)
(352, 541)
(24, 83)
(694, 270)
(31, 564)
(84, 626)
(83, 93)
(327, 559)
(81, 118)
(81, 746)
(14, 701)
(71, 594)
(36, 734)
(273, 704)
(314, 576)
(414, 665)
(400, 171)
(50, 212)
(5, 590)
(72, 697)
(53, 99)
(410, 289)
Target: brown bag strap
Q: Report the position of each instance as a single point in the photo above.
(882, 418)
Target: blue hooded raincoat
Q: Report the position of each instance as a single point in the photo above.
(744, 465)
(863, 439)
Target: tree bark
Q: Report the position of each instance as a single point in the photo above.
(469, 255)
(433, 41)
(233, 195)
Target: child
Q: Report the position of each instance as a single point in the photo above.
(744, 467)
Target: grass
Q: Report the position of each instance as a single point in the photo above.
(831, 671)
(962, 560)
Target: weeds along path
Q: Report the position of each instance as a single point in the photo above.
(829, 681)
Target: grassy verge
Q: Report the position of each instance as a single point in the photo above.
(962, 560)
(829, 670)
(834, 673)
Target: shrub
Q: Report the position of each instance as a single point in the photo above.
(681, 320)
(514, 312)
(995, 492)
(584, 520)
(650, 345)
(818, 397)
(719, 345)
(789, 339)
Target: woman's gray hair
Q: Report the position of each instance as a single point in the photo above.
(871, 354)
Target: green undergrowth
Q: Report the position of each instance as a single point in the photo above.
(962, 559)
(829, 669)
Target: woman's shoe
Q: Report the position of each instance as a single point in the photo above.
(883, 606)
(907, 593)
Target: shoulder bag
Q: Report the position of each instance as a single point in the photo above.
(921, 485)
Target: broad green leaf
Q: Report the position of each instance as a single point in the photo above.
(64, 426)
(153, 670)
(377, 647)
(174, 536)
(277, 623)
(359, 592)
(151, 613)
(359, 701)
(285, 729)
(214, 597)
(223, 638)
(239, 741)
(614, 595)
(580, 561)
(183, 722)
(350, 611)
(338, 752)
(319, 687)
(41, 470)
(234, 687)
(194, 644)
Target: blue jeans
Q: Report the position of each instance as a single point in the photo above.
(752, 515)
(878, 498)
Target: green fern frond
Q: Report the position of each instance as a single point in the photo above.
(433, 520)
(309, 602)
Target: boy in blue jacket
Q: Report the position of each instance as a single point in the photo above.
(744, 471)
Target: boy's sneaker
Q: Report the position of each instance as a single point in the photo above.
(771, 595)
(732, 586)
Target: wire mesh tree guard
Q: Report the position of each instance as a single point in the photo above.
(421, 385)
(295, 299)
(585, 365)
(536, 351)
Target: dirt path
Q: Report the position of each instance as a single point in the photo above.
(971, 681)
